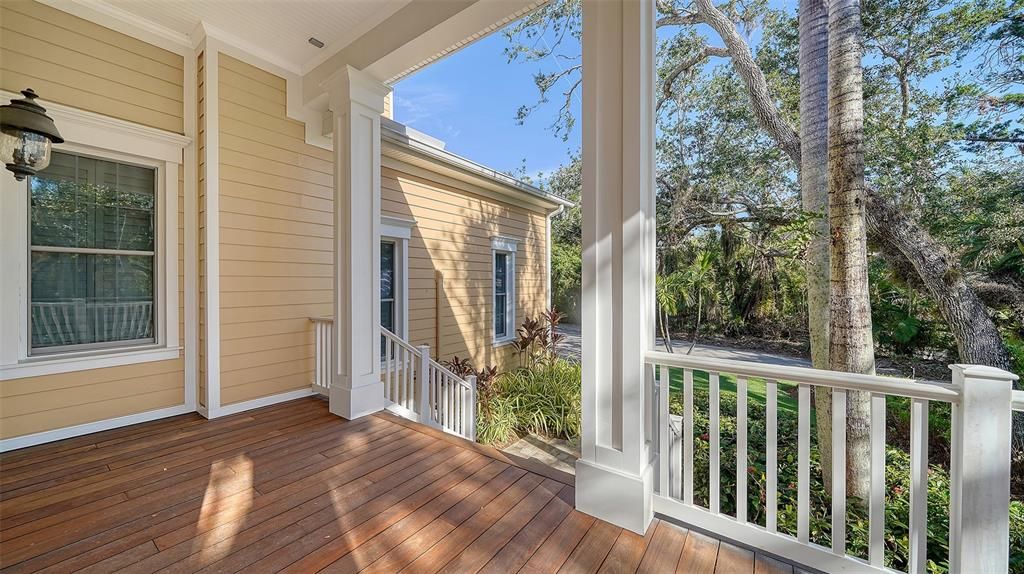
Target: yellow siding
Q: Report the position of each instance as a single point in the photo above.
(452, 237)
(275, 237)
(77, 63)
(80, 64)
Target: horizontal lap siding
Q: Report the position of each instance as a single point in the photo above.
(275, 237)
(452, 235)
(83, 65)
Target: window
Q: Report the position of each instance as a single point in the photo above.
(504, 253)
(92, 243)
(89, 250)
(388, 305)
(394, 245)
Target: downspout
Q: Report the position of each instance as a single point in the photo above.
(547, 239)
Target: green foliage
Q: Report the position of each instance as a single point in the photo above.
(902, 319)
(542, 399)
(567, 278)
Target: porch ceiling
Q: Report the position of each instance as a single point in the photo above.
(278, 30)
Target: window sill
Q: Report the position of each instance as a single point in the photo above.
(56, 364)
(502, 342)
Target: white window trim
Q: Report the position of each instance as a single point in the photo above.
(399, 231)
(508, 246)
(117, 140)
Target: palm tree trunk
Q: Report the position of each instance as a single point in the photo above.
(814, 195)
(850, 342)
(666, 338)
(696, 328)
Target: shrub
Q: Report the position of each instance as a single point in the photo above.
(542, 399)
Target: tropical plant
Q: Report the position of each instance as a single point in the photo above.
(543, 399)
(537, 339)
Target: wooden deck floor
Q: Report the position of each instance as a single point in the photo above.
(292, 488)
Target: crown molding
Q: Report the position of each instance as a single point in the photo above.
(125, 22)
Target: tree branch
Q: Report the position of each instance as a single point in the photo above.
(763, 104)
(994, 139)
(684, 67)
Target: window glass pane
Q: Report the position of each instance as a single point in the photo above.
(86, 299)
(387, 315)
(500, 329)
(500, 272)
(387, 270)
(86, 202)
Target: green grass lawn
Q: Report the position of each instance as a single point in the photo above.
(788, 405)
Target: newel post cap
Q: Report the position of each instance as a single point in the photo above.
(981, 372)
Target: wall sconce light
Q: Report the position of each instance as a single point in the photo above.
(26, 136)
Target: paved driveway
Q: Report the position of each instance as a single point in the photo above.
(570, 348)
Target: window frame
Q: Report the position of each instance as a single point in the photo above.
(398, 231)
(110, 139)
(508, 247)
(155, 254)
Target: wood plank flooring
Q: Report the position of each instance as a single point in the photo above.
(292, 488)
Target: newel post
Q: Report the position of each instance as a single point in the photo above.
(979, 533)
(423, 386)
(469, 411)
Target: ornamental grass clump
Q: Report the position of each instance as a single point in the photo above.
(544, 398)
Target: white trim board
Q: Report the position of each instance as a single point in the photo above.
(243, 406)
(112, 134)
(89, 428)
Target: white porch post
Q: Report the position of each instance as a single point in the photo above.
(979, 527)
(614, 477)
(356, 100)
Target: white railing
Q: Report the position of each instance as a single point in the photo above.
(415, 386)
(980, 399)
(323, 367)
(423, 389)
(80, 321)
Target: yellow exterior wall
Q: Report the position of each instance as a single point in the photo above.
(80, 64)
(72, 61)
(275, 237)
(452, 236)
(276, 233)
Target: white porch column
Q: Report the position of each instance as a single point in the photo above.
(614, 478)
(356, 100)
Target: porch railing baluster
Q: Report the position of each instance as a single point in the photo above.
(981, 400)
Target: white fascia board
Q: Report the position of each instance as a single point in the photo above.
(399, 146)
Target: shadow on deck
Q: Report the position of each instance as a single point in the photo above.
(293, 488)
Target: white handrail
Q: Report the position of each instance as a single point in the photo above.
(415, 386)
(323, 335)
(423, 389)
(834, 379)
(1017, 401)
(979, 465)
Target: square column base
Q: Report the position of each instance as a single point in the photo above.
(354, 402)
(613, 496)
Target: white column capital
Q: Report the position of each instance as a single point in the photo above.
(349, 85)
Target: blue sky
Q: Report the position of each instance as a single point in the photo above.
(470, 100)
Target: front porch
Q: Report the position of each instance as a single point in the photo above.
(293, 488)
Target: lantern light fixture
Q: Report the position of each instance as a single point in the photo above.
(27, 135)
